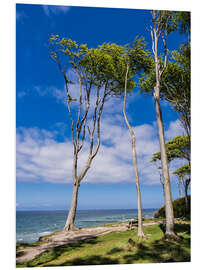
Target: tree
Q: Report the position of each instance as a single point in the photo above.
(183, 22)
(183, 174)
(176, 81)
(176, 148)
(162, 25)
(99, 73)
(137, 59)
(133, 141)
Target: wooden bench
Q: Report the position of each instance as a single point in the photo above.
(133, 223)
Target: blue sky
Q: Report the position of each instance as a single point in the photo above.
(44, 149)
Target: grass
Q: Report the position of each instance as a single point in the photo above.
(115, 248)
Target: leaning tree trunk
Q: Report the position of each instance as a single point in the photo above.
(139, 204)
(69, 226)
(77, 147)
(72, 211)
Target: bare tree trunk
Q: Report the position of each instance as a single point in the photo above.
(167, 186)
(77, 178)
(179, 188)
(139, 204)
(72, 211)
(186, 197)
(186, 185)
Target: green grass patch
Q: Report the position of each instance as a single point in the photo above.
(114, 248)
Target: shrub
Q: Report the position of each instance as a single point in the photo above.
(179, 208)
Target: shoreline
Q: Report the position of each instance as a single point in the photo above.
(45, 233)
(28, 251)
(29, 231)
(58, 240)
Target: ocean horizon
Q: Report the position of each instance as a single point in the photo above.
(31, 224)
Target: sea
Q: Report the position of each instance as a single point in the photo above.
(30, 225)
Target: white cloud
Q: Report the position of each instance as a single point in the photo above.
(174, 130)
(40, 157)
(49, 10)
(58, 94)
(51, 91)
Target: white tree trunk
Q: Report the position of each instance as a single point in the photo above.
(139, 204)
(72, 211)
(164, 161)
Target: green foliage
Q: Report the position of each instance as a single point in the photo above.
(173, 20)
(179, 208)
(183, 21)
(175, 80)
(139, 57)
(104, 65)
(178, 147)
(165, 20)
(176, 84)
(183, 171)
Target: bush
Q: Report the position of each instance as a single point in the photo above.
(179, 208)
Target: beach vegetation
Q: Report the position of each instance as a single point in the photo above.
(119, 248)
(180, 207)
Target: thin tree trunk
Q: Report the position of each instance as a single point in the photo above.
(139, 204)
(72, 211)
(186, 197)
(77, 178)
(187, 182)
(179, 188)
(164, 160)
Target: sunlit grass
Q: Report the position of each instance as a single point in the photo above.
(114, 248)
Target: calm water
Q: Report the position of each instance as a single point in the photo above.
(30, 225)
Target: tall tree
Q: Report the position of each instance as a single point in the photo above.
(133, 143)
(137, 60)
(162, 24)
(99, 73)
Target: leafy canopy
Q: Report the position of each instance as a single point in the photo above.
(104, 65)
(183, 171)
(176, 148)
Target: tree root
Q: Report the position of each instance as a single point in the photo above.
(172, 237)
(141, 236)
(71, 228)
